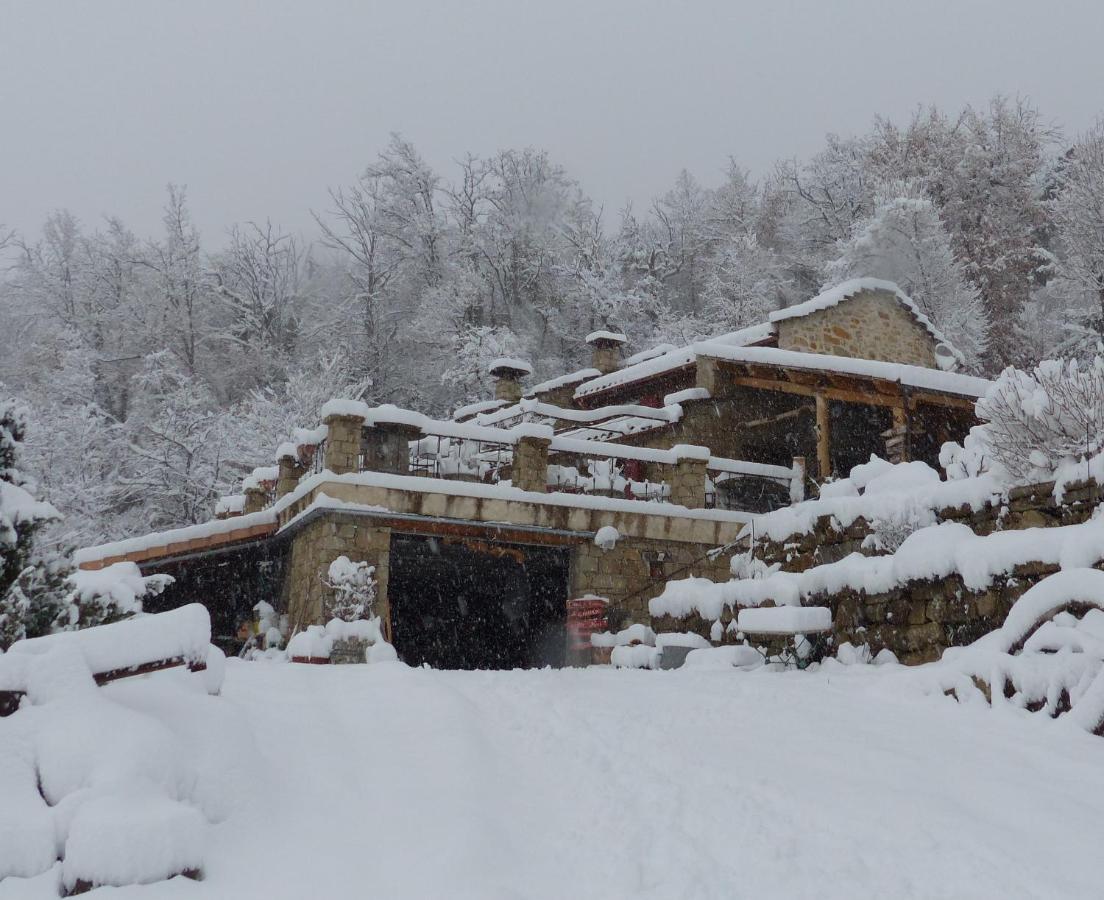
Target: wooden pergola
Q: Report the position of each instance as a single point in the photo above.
(822, 386)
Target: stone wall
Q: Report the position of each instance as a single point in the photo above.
(869, 325)
(635, 571)
(319, 543)
(920, 619)
(1030, 506)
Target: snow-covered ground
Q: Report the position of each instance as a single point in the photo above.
(392, 782)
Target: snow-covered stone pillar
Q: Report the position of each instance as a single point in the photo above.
(530, 467)
(688, 481)
(255, 500)
(507, 374)
(606, 350)
(343, 441)
(291, 470)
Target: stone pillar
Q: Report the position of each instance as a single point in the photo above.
(605, 350)
(823, 438)
(255, 500)
(530, 468)
(290, 473)
(708, 375)
(508, 388)
(507, 374)
(688, 481)
(387, 447)
(343, 443)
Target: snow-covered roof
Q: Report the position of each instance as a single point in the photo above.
(912, 376)
(509, 364)
(675, 358)
(650, 353)
(613, 337)
(562, 381)
(836, 295)
(482, 406)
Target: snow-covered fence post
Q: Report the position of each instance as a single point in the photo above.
(688, 481)
(343, 442)
(290, 472)
(530, 468)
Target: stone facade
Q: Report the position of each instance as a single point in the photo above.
(634, 571)
(319, 543)
(869, 325)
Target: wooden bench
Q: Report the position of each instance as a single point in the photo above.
(132, 647)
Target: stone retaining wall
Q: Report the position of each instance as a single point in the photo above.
(1029, 506)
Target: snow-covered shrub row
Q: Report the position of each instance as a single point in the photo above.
(931, 553)
(896, 499)
(1048, 656)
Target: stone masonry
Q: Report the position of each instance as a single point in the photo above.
(869, 325)
(318, 544)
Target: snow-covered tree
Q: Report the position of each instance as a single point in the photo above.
(904, 241)
(1078, 213)
(32, 578)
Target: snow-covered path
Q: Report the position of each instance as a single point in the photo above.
(389, 782)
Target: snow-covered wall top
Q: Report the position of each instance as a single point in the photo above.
(562, 381)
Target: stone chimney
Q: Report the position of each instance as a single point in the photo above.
(606, 350)
(507, 374)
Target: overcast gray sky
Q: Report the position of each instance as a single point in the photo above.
(259, 106)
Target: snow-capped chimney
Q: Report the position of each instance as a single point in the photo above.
(507, 373)
(606, 350)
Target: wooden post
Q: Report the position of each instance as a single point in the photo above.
(824, 438)
(896, 438)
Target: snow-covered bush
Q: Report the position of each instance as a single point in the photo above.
(354, 590)
(1036, 421)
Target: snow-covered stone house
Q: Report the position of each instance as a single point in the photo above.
(481, 527)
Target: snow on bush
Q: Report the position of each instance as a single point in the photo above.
(1048, 656)
(354, 590)
(1039, 420)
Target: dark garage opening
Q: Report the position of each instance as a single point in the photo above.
(228, 582)
(461, 603)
